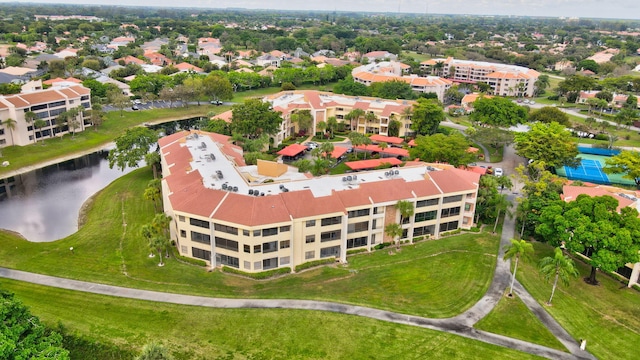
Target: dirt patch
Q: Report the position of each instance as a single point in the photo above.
(84, 209)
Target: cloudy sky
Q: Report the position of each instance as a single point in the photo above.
(621, 9)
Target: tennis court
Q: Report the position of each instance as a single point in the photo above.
(590, 169)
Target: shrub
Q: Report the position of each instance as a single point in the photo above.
(553, 97)
(381, 246)
(418, 238)
(174, 252)
(355, 251)
(449, 233)
(637, 287)
(475, 229)
(287, 86)
(259, 275)
(315, 263)
(601, 137)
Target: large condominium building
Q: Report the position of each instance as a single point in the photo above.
(505, 80)
(47, 106)
(324, 105)
(395, 71)
(265, 216)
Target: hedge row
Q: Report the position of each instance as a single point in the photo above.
(314, 263)
(259, 275)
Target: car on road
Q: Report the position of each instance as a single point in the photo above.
(135, 107)
(311, 145)
(137, 101)
(216, 102)
(498, 172)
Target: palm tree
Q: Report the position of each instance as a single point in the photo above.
(38, 124)
(326, 149)
(146, 231)
(518, 249)
(160, 224)
(354, 114)
(153, 159)
(560, 266)
(154, 351)
(366, 141)
(153, 193)
(383, 145)
(332, 123)
(321, 126)
(11, 125)
(406, 210)
(394, 230)
(500, 203)
(31, 117)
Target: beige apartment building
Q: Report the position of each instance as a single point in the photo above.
(505, 80)
(395, 71)
(266, 216)
(47, 105)
(324, 105)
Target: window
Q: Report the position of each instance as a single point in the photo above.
(309, 255)
(247, 265)
(405, 233)
(311, 223)
(450, 212)
(424, 230)
(226, 229)
(331, 221)
(226, 244)
(330, 235)
(356, 242)
(3, 141)
(247, 249)
(200, 238)
(424, 216)
(361, 226)
(201, 254)
(257, 249)
(199, 223)
(269, 263)
(270, 231)
(38, 107)
(181, 218)
(358, 213)
(269, 246)
(467, 207)
(448, 226)
(450, 199)
(310, 239)
(257, 232)
(285, 260)
(184, 249)
(330, 251)
(257, 265)
(285, 228)
(84, 97)
(428, 202)
(285, 244)
(245, 233)
(183, 233)
(228, 260)
(375, 210)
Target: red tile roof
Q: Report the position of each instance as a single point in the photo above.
(388, 139)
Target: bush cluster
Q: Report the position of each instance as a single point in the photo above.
(259, 275)
(314, 263)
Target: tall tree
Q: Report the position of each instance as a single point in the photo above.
(518, 249)
(118, 100)
(303, 118)
(406, 210)
(217, 87)
(451, 149)
(547, 143)
(498, 111)
(549, 114)
(394, 231)
(153, 159)
(426, 117)
(39, 124)
(131, 147)
(10, 124)
(499, 204)
(558, 266)
(30, 117)
(254, 118)
(354, 115)
(593, 226)
(23, 336)
(627, 163)
(153, 192)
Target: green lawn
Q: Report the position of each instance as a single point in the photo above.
(418, 57)
(411, 281)
(607, 315)
(104, 322)
(512, 318)
(114, 125)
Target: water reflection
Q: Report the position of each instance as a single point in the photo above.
(43, 205)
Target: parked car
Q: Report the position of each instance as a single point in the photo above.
(311, 145)
(135, 107)
(498, 172)
(216, 102)
(137, 101)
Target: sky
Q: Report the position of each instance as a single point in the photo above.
(616, 9)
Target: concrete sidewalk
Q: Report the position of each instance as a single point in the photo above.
(452, 326)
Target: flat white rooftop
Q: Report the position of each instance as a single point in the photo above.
(219, 172)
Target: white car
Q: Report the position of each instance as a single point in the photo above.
(498, 172)
(312, 145)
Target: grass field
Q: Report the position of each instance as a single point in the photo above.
(512, 318)
(410, 281)
(607, 315)
(202, 333)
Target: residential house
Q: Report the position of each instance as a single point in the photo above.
(268, 60)
(380, 56)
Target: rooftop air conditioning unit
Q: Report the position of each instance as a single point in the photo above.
(235, 189)
(250, 191)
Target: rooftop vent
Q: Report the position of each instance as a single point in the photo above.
(235, 189)
(250, 191)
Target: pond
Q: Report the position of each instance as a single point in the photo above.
(43, 205)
